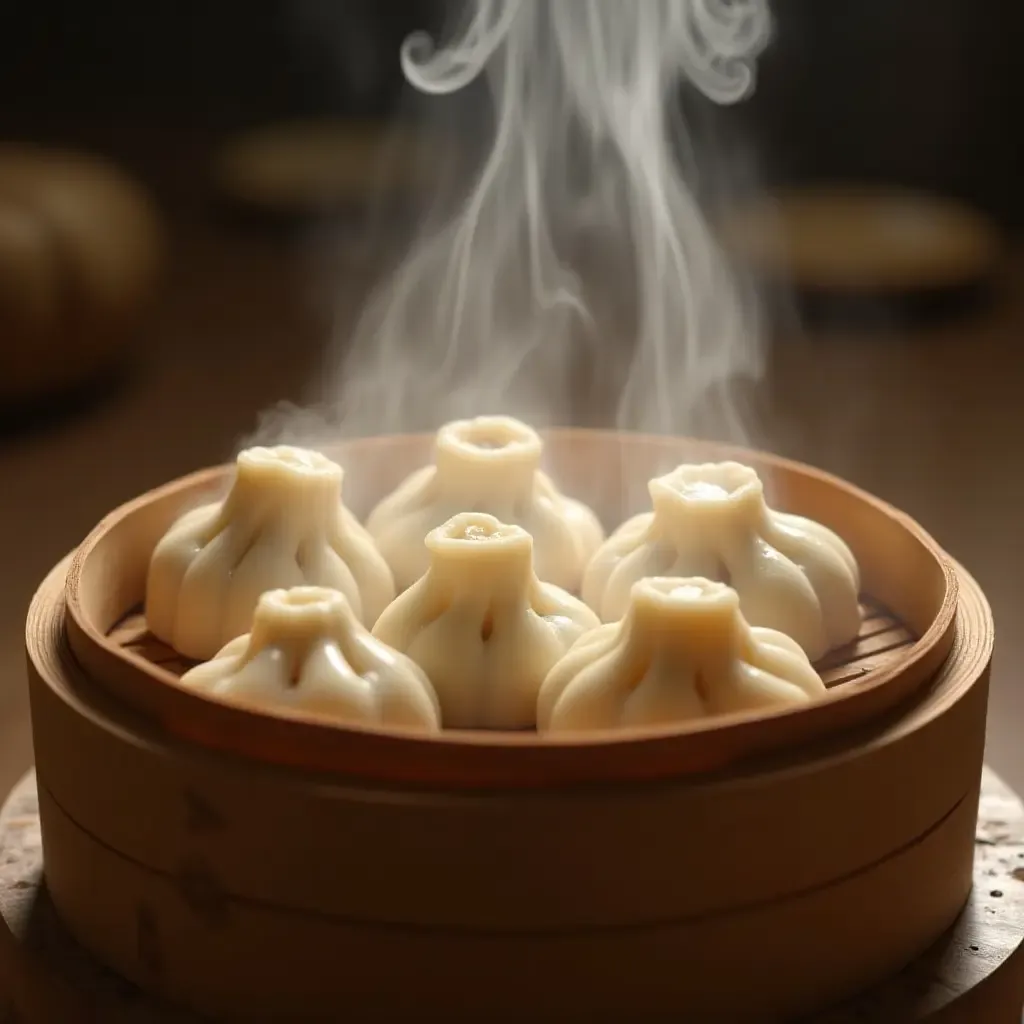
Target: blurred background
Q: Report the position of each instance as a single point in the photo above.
(166, 274)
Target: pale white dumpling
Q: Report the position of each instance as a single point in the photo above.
(490, 464)
(711, 520)
(481, 624)
(682, 651)
(282, 524)
(308, 652)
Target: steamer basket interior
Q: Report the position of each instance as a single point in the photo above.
(908, 607)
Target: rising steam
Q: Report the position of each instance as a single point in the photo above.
(579, 277)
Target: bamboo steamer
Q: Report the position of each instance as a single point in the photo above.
(258, 866)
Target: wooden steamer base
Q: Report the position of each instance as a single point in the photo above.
(974, 974)
(754, 868)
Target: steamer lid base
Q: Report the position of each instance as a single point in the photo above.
(975, 973)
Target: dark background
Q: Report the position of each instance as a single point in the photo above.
(924, 93)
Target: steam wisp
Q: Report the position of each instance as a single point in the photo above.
(579, 269)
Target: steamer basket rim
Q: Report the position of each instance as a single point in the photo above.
(93, 651)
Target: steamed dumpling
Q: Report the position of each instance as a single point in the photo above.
(481, 625)
(682, 651)
(791, 574)
(283, 524)
(490, 464)
(308, 652)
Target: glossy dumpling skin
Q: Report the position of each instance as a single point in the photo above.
(490, 464)
(481, 624)
(308, 652)
(682, 651)
(283, 524)
(711, 520)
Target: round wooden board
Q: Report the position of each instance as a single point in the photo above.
(975, 973)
